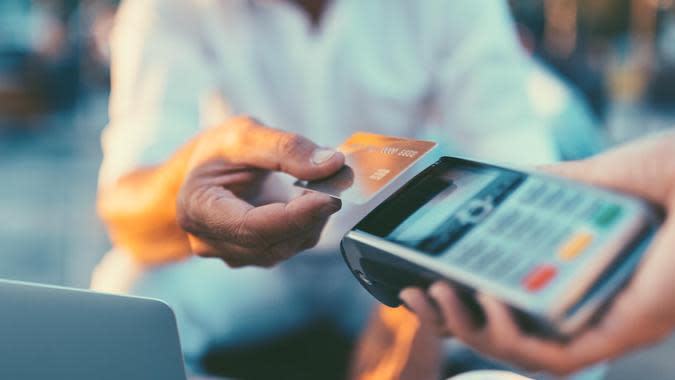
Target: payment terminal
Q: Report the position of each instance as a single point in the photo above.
(555, 251)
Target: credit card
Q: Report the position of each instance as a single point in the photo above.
(371, 162)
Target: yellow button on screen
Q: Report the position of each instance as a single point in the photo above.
(575, 245)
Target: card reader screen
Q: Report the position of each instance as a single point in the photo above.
(441, 205)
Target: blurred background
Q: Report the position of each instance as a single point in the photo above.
(54, 83)
(53, 95)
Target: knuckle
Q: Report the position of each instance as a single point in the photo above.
(240, 233)
(244, 123)
(190, 210)
(249, 237)
(291, 144)
(238, 132)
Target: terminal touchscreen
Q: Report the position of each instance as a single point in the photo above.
(552, 249)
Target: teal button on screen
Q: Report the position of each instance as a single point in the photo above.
(607, 215)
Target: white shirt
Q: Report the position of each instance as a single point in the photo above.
(449, 70)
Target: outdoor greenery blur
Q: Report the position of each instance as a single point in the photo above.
(54, 81)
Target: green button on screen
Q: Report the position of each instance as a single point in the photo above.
(607, 215)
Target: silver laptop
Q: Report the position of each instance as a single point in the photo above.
(57, 333)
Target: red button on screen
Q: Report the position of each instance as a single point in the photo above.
(539, 277)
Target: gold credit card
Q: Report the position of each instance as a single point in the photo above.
(372, 162)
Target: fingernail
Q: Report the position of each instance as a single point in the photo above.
(322, 155)
(331, 208)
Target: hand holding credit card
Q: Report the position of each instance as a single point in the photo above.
(372, 162)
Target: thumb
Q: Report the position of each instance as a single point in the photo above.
(645, 168)
(248, 142)
(286, 221)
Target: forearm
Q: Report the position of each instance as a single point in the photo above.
(139, 210)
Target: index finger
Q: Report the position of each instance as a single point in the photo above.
(244, 140)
